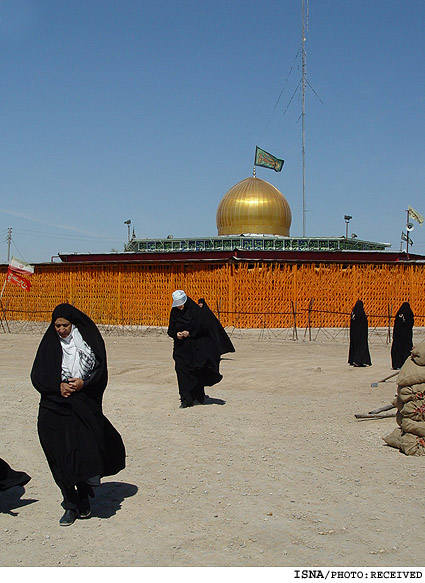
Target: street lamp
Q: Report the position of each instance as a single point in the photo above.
(128, 223)
(347, 219)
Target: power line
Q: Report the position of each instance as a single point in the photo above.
(66, 237)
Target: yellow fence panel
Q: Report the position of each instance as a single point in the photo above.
(245, 295)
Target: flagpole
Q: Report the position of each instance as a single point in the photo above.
(407, 233)
(3, 317)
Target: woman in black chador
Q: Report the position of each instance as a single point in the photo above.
(10, 477)
(402, 336)
(81, 445)
(359, 348)
(196, 353)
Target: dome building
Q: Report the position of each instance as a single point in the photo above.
(253, 272)
(253, 215)
(253, 206)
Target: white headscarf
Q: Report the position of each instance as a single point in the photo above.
(78, 358)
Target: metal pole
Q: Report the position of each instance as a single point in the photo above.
(303, 85)
(407, 235)
(128, 223)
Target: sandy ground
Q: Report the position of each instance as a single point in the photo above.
(281, 474)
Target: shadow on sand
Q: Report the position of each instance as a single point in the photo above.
(109, 497)
(213, 401)
(11, 499)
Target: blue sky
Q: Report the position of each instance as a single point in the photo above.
(150, 111)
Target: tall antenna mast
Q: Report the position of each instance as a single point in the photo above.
(303, 85)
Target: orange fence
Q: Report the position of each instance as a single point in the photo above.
(246, 295)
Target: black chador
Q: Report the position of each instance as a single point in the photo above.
(197, 356)
(220, 335)
(79, 442)
(359, 348)
(10, 477)
(402, 336)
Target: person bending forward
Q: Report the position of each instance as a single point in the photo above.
(195, 352)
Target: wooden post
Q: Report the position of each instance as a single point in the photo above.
(390, 309)
(310, 306)
(294, 314)
(3, 317)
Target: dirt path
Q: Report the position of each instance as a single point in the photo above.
(282, 474)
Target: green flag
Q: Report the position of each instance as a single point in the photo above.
(415, 215)
(265, 159)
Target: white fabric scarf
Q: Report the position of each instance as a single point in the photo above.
(78, 358)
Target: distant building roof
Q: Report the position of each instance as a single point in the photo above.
(249, 242)
(248, 248)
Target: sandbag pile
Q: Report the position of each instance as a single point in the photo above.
(409, 437)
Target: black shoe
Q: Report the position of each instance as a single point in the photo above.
(68, 518)
(185, 406)
(84, 510)
(84, 513)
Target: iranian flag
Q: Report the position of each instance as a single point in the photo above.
(17, 279)
(19, 266)
(18, 273)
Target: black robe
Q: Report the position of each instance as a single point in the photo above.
(10, 478)
(218, 332)
(78, 440)
(196, 358)
(358, 354)
(402, 336)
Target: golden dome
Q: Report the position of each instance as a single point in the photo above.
(253, 206)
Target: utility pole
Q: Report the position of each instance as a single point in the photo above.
(9, 240)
